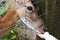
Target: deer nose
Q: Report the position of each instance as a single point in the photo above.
(30, 8)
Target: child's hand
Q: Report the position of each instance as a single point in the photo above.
(47, 36)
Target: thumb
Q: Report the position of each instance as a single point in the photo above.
(41, 36)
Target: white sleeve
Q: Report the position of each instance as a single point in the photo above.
(47, 36)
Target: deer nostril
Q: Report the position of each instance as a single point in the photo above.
(29, 8)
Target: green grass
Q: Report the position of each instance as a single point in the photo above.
(13, 35)
(3, 11)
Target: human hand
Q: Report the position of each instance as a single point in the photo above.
(47, 36)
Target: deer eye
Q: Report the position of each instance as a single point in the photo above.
(29, 8)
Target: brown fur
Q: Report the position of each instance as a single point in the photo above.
(8, 19)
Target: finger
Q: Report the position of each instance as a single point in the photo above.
(41, 36)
